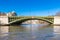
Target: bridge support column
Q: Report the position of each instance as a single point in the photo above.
(57, 26)
(3, 20)
(57, 20)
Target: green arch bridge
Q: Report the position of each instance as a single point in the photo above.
(19, 19)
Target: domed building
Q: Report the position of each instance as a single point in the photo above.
(13, 13)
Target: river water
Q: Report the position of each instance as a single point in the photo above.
(29, 32)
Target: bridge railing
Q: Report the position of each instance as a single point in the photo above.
(14, 18)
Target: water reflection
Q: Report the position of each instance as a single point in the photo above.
(57, 32)
(29, 32)
(4, 32)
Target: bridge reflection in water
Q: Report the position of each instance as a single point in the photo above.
(29, 32)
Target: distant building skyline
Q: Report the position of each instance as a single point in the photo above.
(2, 14)
(13, 13)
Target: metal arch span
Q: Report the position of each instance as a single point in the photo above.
(19, 21)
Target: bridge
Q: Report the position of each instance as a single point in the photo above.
(16, 20)
(12, 20)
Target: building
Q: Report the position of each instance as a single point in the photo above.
(13, 13)
(4, 17)
(58, 14)
(2, 14)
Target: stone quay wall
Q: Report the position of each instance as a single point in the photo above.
(3, 20)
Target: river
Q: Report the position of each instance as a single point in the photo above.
(29, 32)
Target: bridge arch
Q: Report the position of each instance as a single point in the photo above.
(19, 21)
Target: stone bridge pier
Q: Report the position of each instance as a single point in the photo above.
(3, 20)
(56, 20)
(57, 26)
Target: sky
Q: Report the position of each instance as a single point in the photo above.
(30, 7)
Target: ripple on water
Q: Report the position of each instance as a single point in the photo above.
(34, 33)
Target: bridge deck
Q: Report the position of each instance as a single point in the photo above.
(18, 18)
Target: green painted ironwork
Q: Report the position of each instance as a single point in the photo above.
(15, 19)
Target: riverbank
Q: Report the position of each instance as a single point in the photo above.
(4, 24)
(56, 24)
